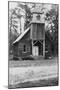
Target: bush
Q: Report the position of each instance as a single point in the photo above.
(47, 55)
(15, 58)
(28, 58)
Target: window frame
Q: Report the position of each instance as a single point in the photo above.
(24, 51)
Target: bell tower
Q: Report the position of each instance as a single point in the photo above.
(38, 32)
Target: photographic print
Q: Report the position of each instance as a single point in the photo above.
(33, 44)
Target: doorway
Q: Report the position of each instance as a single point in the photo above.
(38, 48)
(35, 51)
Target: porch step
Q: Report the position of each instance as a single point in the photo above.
(38, 57)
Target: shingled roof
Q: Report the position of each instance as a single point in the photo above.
(21, 36)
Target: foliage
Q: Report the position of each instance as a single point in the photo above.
(52, 32)
(28, 15)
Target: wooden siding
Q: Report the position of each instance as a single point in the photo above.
(15, 49)
(21, 48)
(38, 31)
(25, 41)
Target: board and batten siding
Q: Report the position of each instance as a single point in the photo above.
(21, 49)
(38, 31)
(25, 41)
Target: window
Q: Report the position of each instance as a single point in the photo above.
(24, 48)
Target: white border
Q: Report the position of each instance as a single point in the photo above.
(4, 43)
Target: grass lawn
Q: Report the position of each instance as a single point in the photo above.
(33, 73)
(26, 63)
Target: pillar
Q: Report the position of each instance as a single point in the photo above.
(44, 48)
(32, 47)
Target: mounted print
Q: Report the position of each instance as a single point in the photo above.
(33, 44)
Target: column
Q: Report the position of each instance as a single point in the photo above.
(32, 47)
(44, 48)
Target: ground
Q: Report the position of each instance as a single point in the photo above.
(33, 73)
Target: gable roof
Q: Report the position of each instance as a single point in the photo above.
(21, 36)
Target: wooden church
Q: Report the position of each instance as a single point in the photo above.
(32, 40)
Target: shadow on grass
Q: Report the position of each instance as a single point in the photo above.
(39, 83)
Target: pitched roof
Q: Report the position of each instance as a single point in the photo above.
(21, 36)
